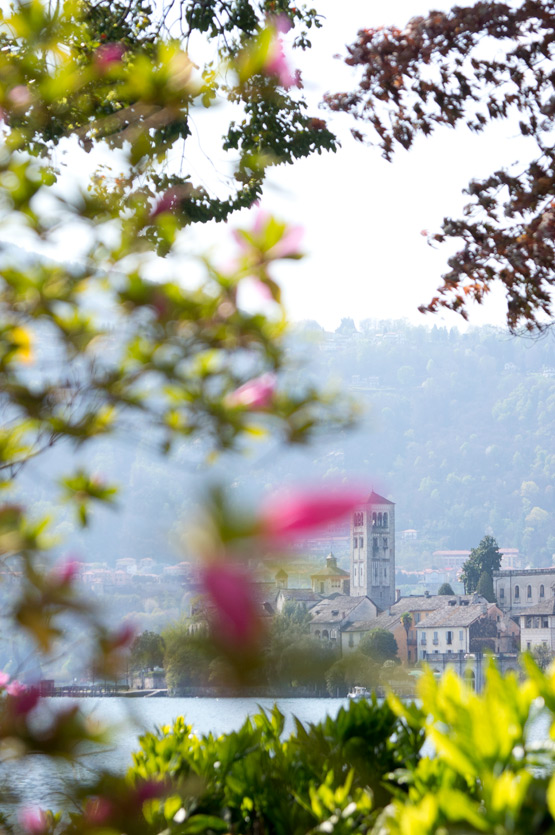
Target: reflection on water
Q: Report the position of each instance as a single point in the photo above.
(40, 781)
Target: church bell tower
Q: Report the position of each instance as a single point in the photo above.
(373, 551)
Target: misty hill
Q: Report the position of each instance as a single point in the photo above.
(457, 430)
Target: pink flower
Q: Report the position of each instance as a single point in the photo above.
(65, 572)
(98, 811)
(289, 244)
(16, 688)
(234, 618)
(255, 394)
(4, 678)
(108, 54)
(276, 65)
(124, 636)
(286, 517)
(24, 701)
(33, 820)
(148, 790)
(167, 203)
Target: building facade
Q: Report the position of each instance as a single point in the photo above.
(373, 551)
(517, 590)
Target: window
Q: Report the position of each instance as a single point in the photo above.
(528, 645)
(528, 622)
(536, 623)
(417, 617)
(529, 592)
(351, 639)
(436, 638)
(325, 634)
(385, 573)
(317, 633)
(361, 542)
(545, 622)
(334, 634)
(423, 639)
(358, 519)
(517, 593)
(449, 638)
(461, 635)
(375, 543)
(542, 591)
(361, 574)
(355, 542)
(385, 520)
(379, 520)
(373, 519)
(385, 542)
(502, 593)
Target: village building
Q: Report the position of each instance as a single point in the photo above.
(417, 607)
(537, 625)
(331, 579)
(520, 589)
(333, 614)
(464, 627)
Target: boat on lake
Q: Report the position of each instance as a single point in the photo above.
(358, 693)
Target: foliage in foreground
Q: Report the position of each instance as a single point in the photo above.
(458, 762)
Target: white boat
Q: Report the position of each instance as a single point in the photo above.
(358, 693)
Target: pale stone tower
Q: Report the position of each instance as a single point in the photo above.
(373, 551)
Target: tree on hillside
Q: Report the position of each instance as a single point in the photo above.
(434, 72)
(380, 645)
(147, 651)
(346, 327)
(485, 587)
(445, 588)
(486, 558)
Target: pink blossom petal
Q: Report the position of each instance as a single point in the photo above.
(108, 54)
(66, 571)
(260, 221)
(15, 688)
(255, 394)
(124, 636)
(229, 589)
(289, 244)
(25, 701)
(33, 820)
(286, 517)
(98, 811)
(277, 65)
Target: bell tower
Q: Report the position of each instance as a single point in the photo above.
(373, 551)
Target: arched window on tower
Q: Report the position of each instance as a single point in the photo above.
(385, 522)
(529, 592)
(517, 593)
(379, 520)
(374, 520)
(542, 591)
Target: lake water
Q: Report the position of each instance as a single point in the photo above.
(39, 782)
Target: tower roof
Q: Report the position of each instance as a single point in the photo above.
(375, 498)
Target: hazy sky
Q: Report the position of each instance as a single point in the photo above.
(363, 216)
